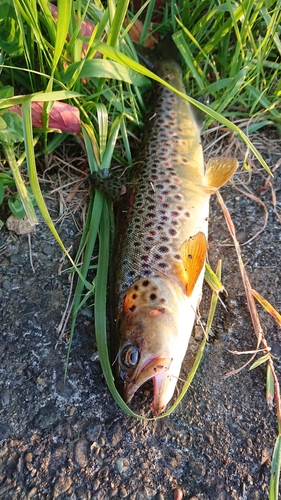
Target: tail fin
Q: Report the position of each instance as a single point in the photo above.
(166, 49)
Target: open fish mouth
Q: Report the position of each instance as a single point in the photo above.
(157, 369)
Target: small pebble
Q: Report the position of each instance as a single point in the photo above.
(81, 453)
(5, 397)
(122, 465)
(123, 493)
(98, 495)
(178, 494)
(48, 250)
(62, 484)
(32, 492)
(96, 484)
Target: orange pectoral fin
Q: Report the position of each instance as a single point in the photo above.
(193, 253)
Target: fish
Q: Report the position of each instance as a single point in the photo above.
(160, 245)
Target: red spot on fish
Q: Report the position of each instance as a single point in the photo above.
(167, 164)
(160, 198)
(165, 150)
(173, 113)
(176, 179)
(172, 133)
(173, 100)
(153, 233)
(175, 214)
(154, 177)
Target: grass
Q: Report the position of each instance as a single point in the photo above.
(230, 51)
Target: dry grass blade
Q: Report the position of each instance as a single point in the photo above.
(267, 306)
(245, 279)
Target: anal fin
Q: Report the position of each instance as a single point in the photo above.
(193, 254)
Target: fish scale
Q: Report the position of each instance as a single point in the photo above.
(160, 246)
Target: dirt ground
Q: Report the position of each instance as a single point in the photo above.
(69, 440)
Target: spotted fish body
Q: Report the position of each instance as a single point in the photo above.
(161, 244)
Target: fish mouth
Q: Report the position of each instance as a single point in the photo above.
(157, 369)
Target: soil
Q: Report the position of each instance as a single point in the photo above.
(69, 440)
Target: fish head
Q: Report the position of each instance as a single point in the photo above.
(154, 326)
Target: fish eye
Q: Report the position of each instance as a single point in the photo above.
(128, 356)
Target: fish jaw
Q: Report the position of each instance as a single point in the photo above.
(151, 368)
(158, 333)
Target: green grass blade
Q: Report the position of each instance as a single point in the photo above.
(117, 22)
(64, 13)
(102, 116)
(147, 21)
(260, 361)
(100, 310)
(275, 470)
(212, 279)
(99, 68)
(21, 188)
(34, 183)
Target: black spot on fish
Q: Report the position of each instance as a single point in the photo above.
(163, 249)
(145, 283)
(147, 272)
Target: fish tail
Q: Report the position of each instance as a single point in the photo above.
(166, 50)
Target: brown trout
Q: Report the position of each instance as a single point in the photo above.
(161, 243)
